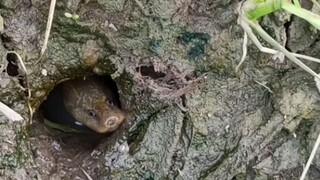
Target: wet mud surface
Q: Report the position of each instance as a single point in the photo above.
(62, 155)
(192, 116)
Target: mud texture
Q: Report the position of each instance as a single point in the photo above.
(173, 62)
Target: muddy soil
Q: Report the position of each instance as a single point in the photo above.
(173, 62)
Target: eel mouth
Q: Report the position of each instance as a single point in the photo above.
(108, 125)
(113, 122)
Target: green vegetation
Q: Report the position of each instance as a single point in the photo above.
(249, 13)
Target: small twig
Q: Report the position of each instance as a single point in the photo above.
(85, 173)
(48, 29)
(316, 3)
(181, 174)
(244, 50)
(316, 145)
(9, 142)
(27, 82)
(313, 153)
(140, 6)
(263, 85)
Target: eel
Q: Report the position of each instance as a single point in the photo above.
(84, 102)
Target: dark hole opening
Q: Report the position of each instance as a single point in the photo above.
(149, 71)
(12, 68)
(6, 40)
(69, 150)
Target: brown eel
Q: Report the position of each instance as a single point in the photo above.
(85, 101)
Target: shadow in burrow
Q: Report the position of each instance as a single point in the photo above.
(61, 143)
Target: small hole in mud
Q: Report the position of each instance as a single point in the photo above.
(12, 68)
(73, 121)
(149, 71)
(6, 40)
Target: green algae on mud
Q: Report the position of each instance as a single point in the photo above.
(196, 41)
(20, 155)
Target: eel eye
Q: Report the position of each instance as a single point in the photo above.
(110, 102)
(92, 113)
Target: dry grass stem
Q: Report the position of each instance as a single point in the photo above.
(48, 29)
(9, 113)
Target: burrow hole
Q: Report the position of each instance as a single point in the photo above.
(150, 71)
(65, 143)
